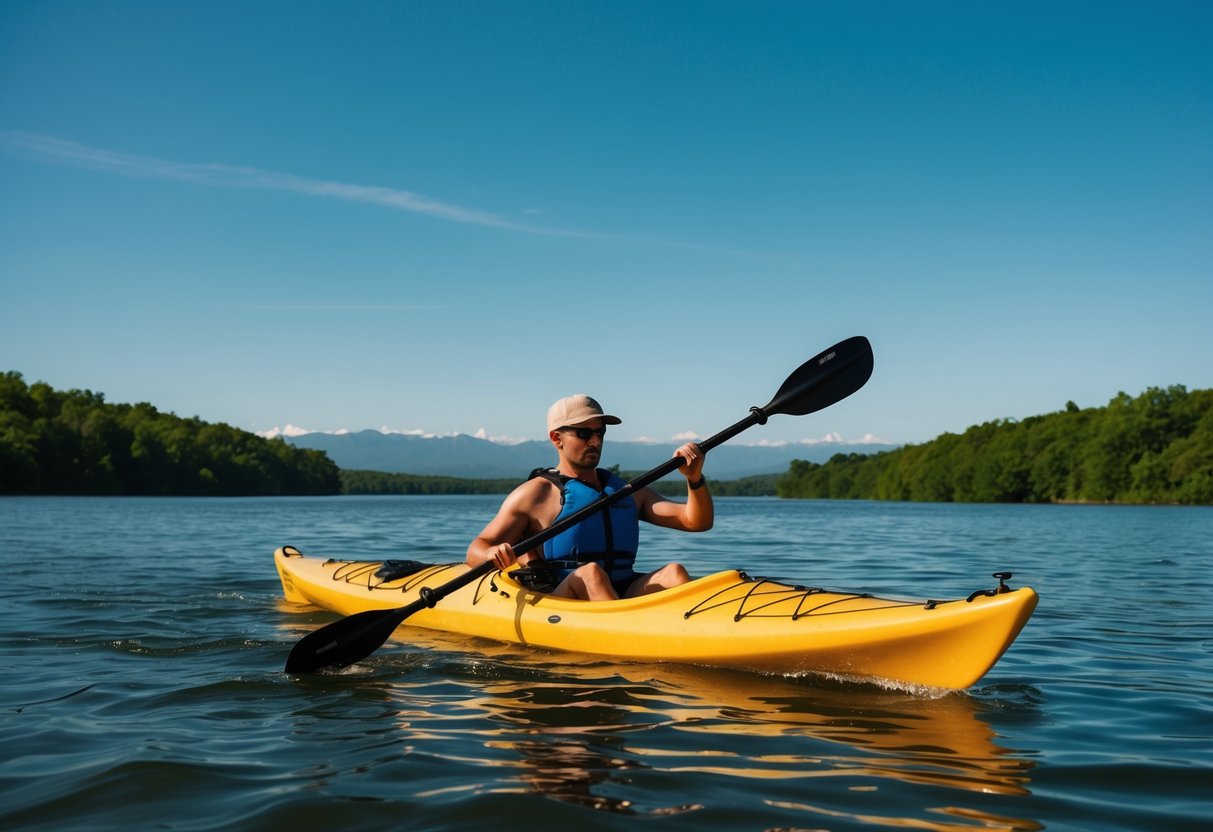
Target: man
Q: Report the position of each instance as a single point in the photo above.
(594, 559)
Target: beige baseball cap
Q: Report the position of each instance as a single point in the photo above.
(574, 410)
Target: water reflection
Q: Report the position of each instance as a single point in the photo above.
(615, 737)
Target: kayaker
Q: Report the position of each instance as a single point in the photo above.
(593, 560)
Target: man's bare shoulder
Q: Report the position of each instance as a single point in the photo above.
(535, 491)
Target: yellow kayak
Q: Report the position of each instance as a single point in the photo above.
(727, 619)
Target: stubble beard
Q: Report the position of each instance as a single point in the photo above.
(587, 461)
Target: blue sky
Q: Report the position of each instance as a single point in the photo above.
(441, 216)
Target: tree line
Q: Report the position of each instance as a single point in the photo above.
(74, 442)
(1153, 448)
(380, 482)
(759, 485)
(1156, 448)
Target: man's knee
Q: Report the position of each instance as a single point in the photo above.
(595, 583)
(672, 574)
(667, 577)
(678, 574)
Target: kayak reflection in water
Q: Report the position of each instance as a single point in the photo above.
(595, 559)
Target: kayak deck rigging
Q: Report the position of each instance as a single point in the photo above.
(768, 596)
(756, 597)
(724, 619)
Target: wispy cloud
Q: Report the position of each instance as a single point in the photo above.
(288, 431)
(293, 431)
(481, 433)
(829, 439)
(62, 151)
(349, 307)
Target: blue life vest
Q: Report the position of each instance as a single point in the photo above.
(609, 537)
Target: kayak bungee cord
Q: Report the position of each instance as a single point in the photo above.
(760, 588)
(752, 597)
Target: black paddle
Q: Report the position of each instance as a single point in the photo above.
(818, 383)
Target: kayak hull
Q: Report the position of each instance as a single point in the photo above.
(726, 619)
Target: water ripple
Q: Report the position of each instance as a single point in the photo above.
(145, 689)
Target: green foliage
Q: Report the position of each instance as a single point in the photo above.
(1155, 448)
(380, 482)
(761, 485)
(73, 442)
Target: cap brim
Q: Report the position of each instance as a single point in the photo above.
(605, 419)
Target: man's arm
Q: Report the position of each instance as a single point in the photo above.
(516, 517)
(695, 515)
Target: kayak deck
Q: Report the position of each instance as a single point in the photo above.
(727, 619)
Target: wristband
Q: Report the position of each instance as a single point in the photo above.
(699, 483)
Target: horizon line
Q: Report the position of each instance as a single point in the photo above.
(294, 431)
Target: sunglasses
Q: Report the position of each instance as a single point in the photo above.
(584, 434)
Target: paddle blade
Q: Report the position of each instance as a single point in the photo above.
(826, 378)
(346, 641)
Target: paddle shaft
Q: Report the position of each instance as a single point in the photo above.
(855, 355)
(821, 381)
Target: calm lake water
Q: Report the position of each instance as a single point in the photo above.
(143, 642)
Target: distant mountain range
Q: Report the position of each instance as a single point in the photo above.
(470, 457)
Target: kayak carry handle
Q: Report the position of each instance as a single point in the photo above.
(1001, 589)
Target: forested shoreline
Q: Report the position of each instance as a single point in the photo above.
(1153, 448)
(379, 482)
(76, 443)
(1156, 448)
(382, 482)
